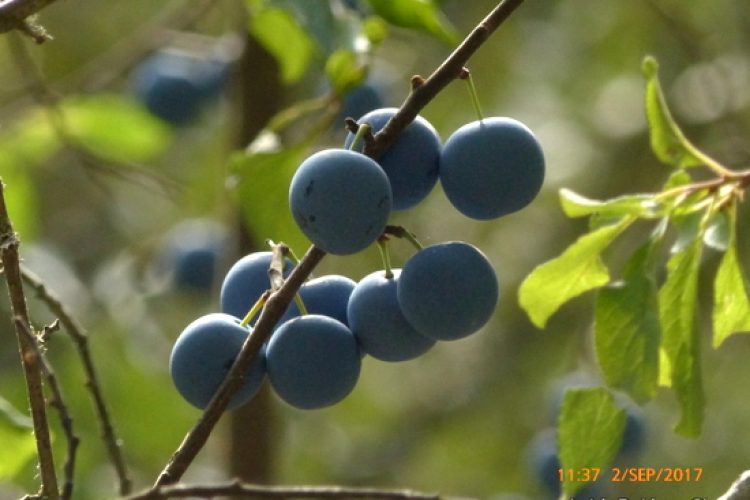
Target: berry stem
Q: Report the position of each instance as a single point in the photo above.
(300, 305)
(255, 309)
(385, 255)
(362, 131)
(474, 95)
(402, 232)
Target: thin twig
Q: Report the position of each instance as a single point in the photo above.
(77, 332)
(280, 299)
(448, 71)
(32, 370)
(249, 491)
(58, 403)
(272, 312)
(50, 101)
(13, 13)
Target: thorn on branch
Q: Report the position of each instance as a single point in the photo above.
(34, 30)
(56, 401)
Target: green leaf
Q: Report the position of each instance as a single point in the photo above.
(115, 128)
(731, 304)
(578, 269)
(718, 233)
(589, 432)
(344, 72)
(626, 327)
(639, 205)
(422, 15)
(680, 340)
(676, 179)
(668, 142)
(263, 192)
(17, 438)
(278, 31)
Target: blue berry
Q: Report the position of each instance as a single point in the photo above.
(411, 162)
(313, 361)
(203, 354)
(378, 323)
(448, 291)
(491, 168)
(174, 85)
(246, 281)
(341, 200)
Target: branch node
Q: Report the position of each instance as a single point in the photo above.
(416, 82)
(351, 125)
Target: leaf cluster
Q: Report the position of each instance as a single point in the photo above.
(645, 322)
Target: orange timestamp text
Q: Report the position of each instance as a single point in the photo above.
(632, 474)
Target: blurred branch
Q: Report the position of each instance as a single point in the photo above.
(280, 299)
(58, 403)
(14, 14)
(31, 365)
(49, 100)
(103, 70)
(740, 489)
(76, 331)
(249, 491)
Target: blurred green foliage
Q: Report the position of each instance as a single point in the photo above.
(94, 183)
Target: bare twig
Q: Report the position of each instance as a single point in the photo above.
(280, 299)
(77, 332)
(58, 403)
(248, 491)
(32, 370)
(448, 71)
(50, 100)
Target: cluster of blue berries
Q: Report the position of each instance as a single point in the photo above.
(342, 200)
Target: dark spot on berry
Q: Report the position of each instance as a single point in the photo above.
(309, 189)
(382, 200)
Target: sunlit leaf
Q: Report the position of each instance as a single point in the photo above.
(316, 18)
(668, 142)
(731, 304)
(278, 31)
(718, 233)
(17, 438)
(626, 327)
(677, 178)
(422, 15)
(578, 269)
(114, 127)
(640, 205)
(344, 71)
(263, 193)
(589, 432)
(680, 339)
